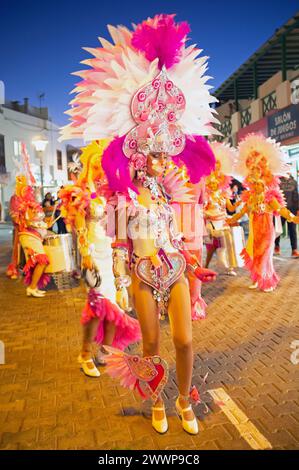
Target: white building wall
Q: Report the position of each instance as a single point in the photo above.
(18, 126)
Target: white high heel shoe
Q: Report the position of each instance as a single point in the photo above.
(88, 367)
(43, 292)
(100, 357)
(159, 425)
(270, 289)
(253, 286)
(190, 426)
(34, 292)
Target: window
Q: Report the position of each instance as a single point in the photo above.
(17, 148)
(59, 159)
(2, 155)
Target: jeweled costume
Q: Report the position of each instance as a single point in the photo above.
(29, 226)
(261, 162)
(148, 92)
(221, 237)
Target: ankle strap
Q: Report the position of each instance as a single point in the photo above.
(184, 397)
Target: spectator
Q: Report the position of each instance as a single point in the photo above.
(289, 187)
(60, 222)
(233, 197)
(48, 208)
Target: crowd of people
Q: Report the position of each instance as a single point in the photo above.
(151, 190)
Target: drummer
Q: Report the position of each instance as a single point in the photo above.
(28, 215)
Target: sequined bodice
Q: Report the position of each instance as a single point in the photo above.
(150, 228)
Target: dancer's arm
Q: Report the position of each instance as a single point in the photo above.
(81, 230)
(120, 259)
(232, 207)
(232, 220)
(181, 243)
(284, 212)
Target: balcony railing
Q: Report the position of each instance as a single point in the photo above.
(295, 90)
(225, 128)
(246, 117)
(269, 103)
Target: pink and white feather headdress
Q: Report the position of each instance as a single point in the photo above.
(148, 91)
(256, 150)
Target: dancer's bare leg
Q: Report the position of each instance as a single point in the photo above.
(109, 332)
(181, 328)
(37, 274)
(146, 308)
(210, 253)
(89, 332)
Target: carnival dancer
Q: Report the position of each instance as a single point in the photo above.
(83, 209)
(30, 230)
(261, 161)
(150, 95)
(217, 203)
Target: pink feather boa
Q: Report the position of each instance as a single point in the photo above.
(161, 37)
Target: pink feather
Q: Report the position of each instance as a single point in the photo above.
(161, 37)
(198, 158)
(116, 166)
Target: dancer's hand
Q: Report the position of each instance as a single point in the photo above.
(205, 275)
(87, 262)
(122, 298)
(231, 222)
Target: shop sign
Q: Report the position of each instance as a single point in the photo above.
(284, 124)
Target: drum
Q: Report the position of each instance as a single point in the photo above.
(59, 249)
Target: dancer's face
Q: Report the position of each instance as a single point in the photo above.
(258, 187)
(156, 164)
(213, 185)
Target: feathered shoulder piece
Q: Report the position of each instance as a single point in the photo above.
(177, 188)
(275, 193)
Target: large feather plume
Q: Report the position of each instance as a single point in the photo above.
(101, 107)
(161, 38)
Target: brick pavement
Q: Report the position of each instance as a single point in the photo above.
(244, 345)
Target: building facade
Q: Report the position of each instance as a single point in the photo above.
(263, 94)
(24, 123)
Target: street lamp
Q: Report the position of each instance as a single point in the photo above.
(40, 145)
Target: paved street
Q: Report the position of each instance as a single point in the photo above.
(250, 398)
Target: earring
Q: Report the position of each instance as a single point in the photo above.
(140, 175)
